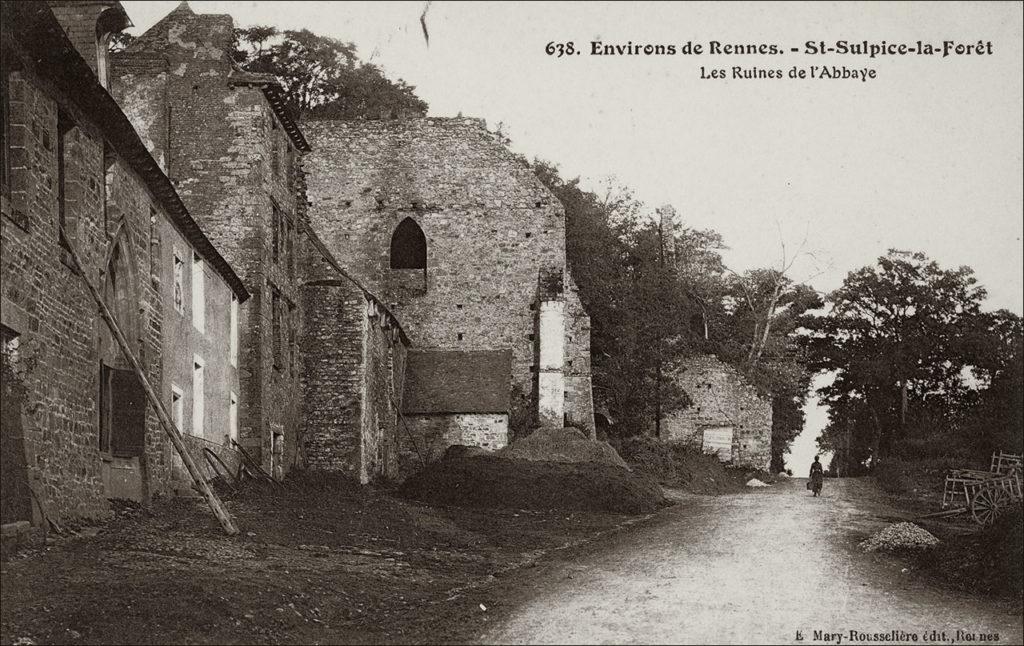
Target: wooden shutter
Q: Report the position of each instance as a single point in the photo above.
(128, 414)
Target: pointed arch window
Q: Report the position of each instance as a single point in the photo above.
(408, 246)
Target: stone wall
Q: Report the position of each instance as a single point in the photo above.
(490, 226)
(332, 376)
(45, 306)
(579, 392)
(380, 441)
(353, 367)
(236, 168)
(721, 397)
(430, 435)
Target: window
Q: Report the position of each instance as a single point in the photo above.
(198, 395)
(289, 160)
(64, 127)
(155, 246)
(5, 133)
(289, 236)
(198, 293)
(178, 408)
(408, 246)
(281, 246)
(275, 224)
(109, 158)
(179, 287)
(276, 324)
(234, 331)
(232, 419)
(275, 151)
(293, 345)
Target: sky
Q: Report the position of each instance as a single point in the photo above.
(927, 156)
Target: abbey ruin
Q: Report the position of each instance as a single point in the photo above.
(297, 292)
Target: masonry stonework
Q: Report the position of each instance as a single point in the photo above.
(75, 158)
(433, 434)
(722, 398)
(235, 158)
(488, 223)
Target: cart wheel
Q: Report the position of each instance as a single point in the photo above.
(988, 505)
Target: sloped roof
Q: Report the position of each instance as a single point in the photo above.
(44, 39)
(455, 381)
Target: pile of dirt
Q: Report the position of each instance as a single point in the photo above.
(898, 537)
(561, 445)
(488, 481)
(683, 467)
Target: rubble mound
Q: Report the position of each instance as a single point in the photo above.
(490, 481)
(900, 536)
(561, 445)
(682, 466)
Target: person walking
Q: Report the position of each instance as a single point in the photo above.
(817, 476)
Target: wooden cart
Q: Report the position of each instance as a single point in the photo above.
(986, 494)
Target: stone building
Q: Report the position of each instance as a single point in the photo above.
(76, 427)
(463, 243)
(467, 247)
(234, 152)
(454, 397)
(726, 414)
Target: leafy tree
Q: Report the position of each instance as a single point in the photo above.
(759, 332)
(323, 77)
(898, 336)
(649, 314)
(640, 309)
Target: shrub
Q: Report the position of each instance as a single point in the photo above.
(892, 476)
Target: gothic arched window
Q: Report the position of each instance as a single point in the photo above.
(408, 246)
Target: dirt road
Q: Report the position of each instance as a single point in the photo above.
(765, 567)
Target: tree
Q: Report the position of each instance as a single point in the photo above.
(640, 309)
(898, 337)
(759, 332)
(323, 77)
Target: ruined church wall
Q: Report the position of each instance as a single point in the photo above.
(722, 397)
(579, 394)
(490, 227)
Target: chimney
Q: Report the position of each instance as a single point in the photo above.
(90, 25)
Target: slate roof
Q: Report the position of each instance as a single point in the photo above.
(455, 381)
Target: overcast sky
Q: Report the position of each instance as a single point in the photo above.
(927, 156)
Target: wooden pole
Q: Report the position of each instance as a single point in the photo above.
(165, 419)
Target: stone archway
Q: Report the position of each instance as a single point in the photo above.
(121, 407)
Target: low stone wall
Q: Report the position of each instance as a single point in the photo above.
(429, 436)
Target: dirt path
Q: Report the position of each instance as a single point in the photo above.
(749, 568)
